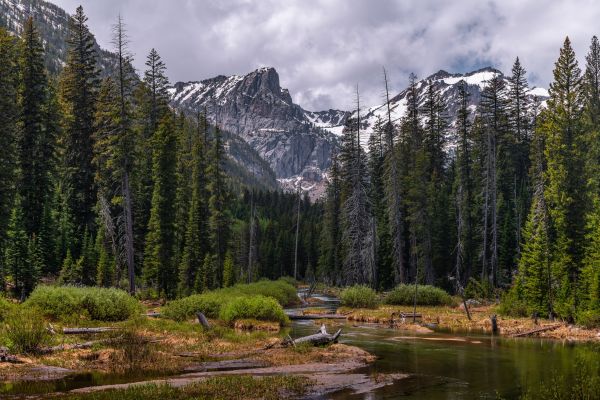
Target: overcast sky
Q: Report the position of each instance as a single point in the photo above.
(323, 48)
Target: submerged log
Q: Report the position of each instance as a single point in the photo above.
(538, 330)
(317, 339)
(80, 331)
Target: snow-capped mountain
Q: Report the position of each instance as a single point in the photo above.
(444, 82)
(256, 108)
(52, 23)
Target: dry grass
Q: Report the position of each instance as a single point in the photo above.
(454, 318)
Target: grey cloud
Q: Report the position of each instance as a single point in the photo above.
(323, 48)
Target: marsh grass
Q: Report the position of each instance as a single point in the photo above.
(221, 387)
(211, 303)
(24, 330)
(426, 296)
(71, 303)
(359, 297)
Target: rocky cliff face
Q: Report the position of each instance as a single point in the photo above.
(257, 109)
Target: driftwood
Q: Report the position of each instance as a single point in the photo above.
(538, 330)
(317, 339)
(202, 320)
(74, 346)
(316, 316)
(494, 320)
(152, 314)
(79, 331)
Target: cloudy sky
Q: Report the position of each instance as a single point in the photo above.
(323, 48)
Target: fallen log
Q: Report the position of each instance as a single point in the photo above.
(80, 331)
(317, 339)
(62, 347)
(152, 314)
(538, 330)
(316, 316)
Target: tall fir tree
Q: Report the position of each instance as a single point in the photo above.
(79, 88)
(8, 139)
(196, 235)
(219, 219)
(562, 130)
(37, 137)
(159, 264)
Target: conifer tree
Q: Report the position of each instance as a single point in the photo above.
(37, 138)
(159, 267)
(79, 89)
(228, 270)
(330, 260)
(8, 138)
(562, 130)
(17, 254)
(219, 219)
(196, 240)
(464, 191)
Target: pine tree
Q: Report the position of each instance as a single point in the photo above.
(8, 138)
(520, 121)
(562, 130)
(17, 253)
(157, 82)
(37, 137)
(330, 260)
(534, 283)
(219, 219)
(228, 270)
(358, 234)
(79, 89)
(196, 240)
(463, 191)
(105, 270)
(159, 267)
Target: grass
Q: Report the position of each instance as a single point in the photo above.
(258, 307)
(211, 303)
(426, 296)
(70, 302)
(25, 330)
(359, 297)
(5, 307)
(221, 387)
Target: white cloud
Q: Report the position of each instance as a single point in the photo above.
(323, 48)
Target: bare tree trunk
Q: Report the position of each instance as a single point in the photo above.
(297, 237)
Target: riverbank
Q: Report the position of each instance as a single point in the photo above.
(455, 319)
(189, 359)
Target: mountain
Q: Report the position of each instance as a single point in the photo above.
(53, 24)
(271, 140)
(447, 84)
(256, 108)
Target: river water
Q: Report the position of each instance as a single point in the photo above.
(450, 365)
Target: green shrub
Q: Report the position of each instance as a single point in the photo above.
(257, 307)
(210, 303)
(512, 305)
(426, 296)
(65, 302)
(5, 307)
(359, 297)
(589, 318)
(25, 329)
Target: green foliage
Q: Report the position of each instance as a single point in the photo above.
(478, 290)
(359, 296)
(25, 329)
(228, 270)
(5, 307)
(219, 387)
(210, 303)
(426, 296)
(65, 302)
(256, 307)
